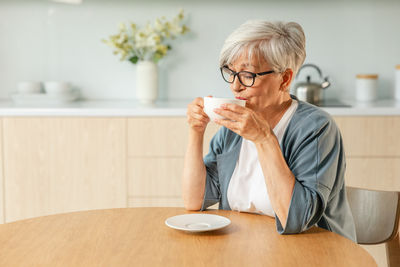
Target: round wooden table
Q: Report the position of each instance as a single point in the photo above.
(139, 237)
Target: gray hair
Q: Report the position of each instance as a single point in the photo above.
(281, 44)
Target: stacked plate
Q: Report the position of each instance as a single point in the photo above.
(42, 98)
(31, 93)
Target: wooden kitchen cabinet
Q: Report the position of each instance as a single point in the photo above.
(162, 136)
(370, 136)
(156, 149)
(51, 165)
(374, 173)
(54, 165)
(372, 147)
(155, 181)
(156, 137)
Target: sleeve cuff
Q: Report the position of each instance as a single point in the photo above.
(304, 207)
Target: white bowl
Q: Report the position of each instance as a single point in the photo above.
(26, 87)
(54, 87)
(211, 103)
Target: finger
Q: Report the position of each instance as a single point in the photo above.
(231, 125)
(228, 114)
(200, 110)
(196, 108)
(234, 107)
(199, 117)
(197, 112)
(198, 101)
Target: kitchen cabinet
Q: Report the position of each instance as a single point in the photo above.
(54, 165)
(156, 149)
(370, 136)
(59, 164)
(372, 151)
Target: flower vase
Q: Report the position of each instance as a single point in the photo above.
(146, 82)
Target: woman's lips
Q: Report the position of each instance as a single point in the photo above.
(241, 98)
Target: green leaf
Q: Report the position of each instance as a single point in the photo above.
(134, 59)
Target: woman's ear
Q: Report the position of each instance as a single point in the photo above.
(287, 76)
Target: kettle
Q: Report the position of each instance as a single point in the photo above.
(310, 91)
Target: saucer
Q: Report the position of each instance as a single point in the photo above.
(197, 222)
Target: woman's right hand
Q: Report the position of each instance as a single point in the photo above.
(196, 117)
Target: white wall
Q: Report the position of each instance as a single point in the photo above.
(40, 40)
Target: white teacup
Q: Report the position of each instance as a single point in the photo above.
(56, 88)
(211, 103)
(29, 87)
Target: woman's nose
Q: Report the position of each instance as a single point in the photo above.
(236, 85)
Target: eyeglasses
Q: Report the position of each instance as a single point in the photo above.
(246, 78)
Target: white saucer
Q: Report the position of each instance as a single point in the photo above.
(197, 222)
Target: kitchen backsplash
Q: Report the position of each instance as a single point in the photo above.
(42, 40)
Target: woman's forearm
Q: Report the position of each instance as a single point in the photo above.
(278, 177)
(194, 172)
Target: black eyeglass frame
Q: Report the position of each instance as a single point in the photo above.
(254, 75)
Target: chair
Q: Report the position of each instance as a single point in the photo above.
(376, 216)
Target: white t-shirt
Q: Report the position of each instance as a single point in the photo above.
(247, 190)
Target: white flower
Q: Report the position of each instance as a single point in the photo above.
(122, 27)
(148, 43)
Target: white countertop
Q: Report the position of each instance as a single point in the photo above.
(131, 108)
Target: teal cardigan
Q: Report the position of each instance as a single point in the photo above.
(313, 149)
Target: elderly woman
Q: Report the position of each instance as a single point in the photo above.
(276, 156)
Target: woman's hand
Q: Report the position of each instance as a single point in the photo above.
(245, 122)
(196, 117)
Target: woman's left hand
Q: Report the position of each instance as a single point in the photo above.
(245, 122)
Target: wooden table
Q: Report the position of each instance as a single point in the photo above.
(139, 237)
